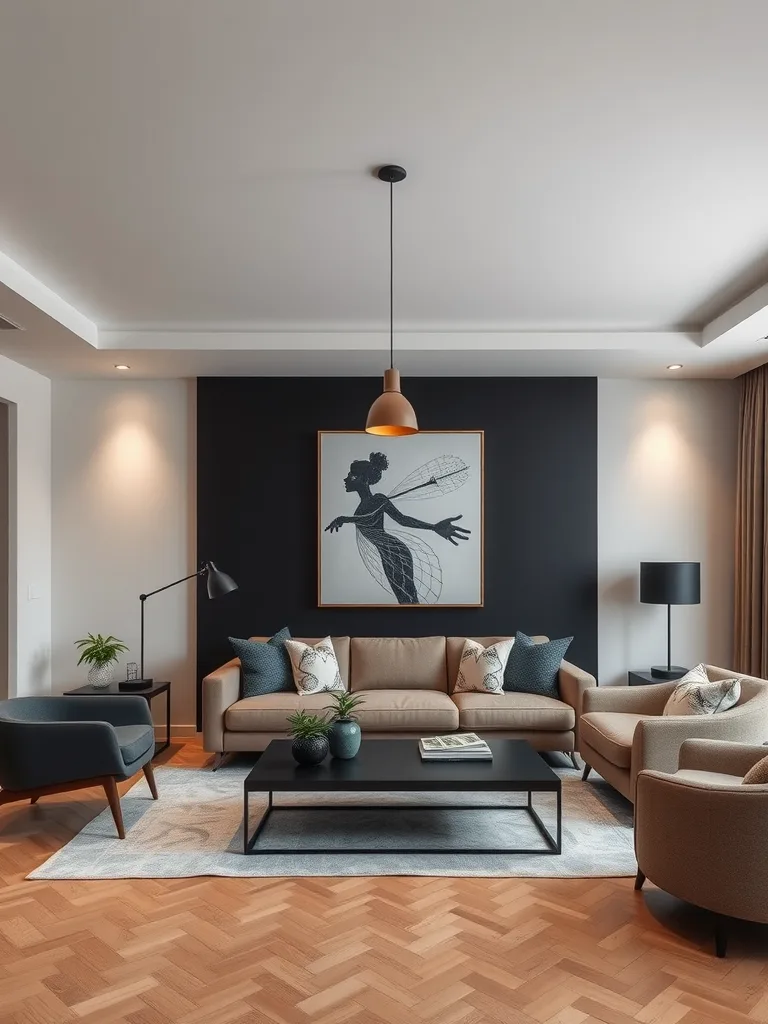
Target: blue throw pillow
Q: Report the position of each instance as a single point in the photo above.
(266, 667)
(533, 668)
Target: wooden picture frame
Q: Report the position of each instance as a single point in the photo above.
(373, 553)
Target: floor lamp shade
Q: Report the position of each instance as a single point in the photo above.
(670, 583)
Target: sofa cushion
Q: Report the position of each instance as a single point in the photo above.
(395, 663)
(264, 667)
(134, 740)
(533, 667)
(340, 646)
(516, 711)
(610, 733)
(454, 646)
(422, 711)
(269, 712)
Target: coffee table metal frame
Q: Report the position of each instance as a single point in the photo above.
(529, 786)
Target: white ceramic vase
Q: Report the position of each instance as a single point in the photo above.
(100, 676)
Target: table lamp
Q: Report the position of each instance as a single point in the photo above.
(670, 583)
(217, 584)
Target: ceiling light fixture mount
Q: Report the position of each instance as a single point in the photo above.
(675, 366)
(391, 415)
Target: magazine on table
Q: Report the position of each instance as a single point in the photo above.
(456, 747)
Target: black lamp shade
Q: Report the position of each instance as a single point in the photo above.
(217, 582)
(670, 582)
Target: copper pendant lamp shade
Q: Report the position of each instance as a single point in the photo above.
(391, 415)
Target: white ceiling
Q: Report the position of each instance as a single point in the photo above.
(585, 191)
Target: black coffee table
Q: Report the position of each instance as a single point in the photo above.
(395, 766)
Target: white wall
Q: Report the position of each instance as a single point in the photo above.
(29, 397)
(123, 524)
(666, 492)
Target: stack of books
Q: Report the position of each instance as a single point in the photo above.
(460, 746)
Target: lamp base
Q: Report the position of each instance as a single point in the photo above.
(128, 685)
(673, 672)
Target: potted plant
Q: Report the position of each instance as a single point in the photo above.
(310, 737)
(100, 652)
(344, 736)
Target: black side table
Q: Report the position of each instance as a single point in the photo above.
(644, 678)
(151, 691)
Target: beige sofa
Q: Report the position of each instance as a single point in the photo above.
(623, 730)
(407, 687)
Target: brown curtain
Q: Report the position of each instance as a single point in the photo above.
(750, 634)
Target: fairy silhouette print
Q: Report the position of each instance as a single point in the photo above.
(400, 561)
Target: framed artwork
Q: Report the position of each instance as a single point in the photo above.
(400, 519)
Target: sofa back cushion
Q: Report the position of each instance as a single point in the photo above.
(455, 645)
(340, 646)
(398, 663)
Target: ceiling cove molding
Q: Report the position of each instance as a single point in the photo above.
(746, 321)
(668, 342)
(28, 287)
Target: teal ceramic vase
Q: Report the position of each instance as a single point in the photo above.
(344, 738)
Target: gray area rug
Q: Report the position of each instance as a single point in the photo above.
(195, 829)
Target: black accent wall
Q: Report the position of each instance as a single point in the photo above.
(257, 506)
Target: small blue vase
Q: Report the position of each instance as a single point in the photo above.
(344, 738)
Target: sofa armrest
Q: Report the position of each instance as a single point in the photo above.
(38, 754)
(720, 756)
(220, 690)
(634, 700)
(657, 742)
(118, 709)
(572, 683)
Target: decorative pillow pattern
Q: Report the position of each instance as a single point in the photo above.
(757, 774)
(533, 668)
(481, 669)
(696, 694)
(315, 669)
(265, 667)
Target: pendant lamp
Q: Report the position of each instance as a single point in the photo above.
(391, 414)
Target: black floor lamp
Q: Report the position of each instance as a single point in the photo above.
(670, 583)
(217, 584)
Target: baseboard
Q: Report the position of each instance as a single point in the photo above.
(182, 731)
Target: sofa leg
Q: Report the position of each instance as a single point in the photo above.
(585, 774)
(219, 760)
(574, 762)
(110, 788)
(34, 799)
(721, 935)
(639, 880)
(149, 775)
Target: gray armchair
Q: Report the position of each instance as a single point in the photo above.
(55, 744)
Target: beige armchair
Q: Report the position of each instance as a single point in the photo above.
(622, 730)
(700, 832)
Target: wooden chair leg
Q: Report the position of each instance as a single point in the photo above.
(149, 775)
(639, 880)
(585, 774)
(110, 788)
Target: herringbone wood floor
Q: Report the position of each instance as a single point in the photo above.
(354, 950)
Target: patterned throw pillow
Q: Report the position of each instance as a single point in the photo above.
(481, 669)
(533, 668)
(695, 694)
(265, 667)
(315, 669)
(757, 774)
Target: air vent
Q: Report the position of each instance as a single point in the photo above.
(8, 325)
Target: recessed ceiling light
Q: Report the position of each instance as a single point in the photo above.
(122, 366)
(675, 366)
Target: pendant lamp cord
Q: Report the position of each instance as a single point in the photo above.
(391, 281)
